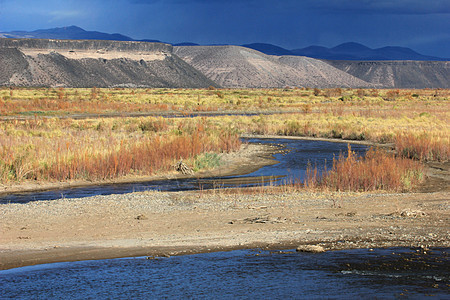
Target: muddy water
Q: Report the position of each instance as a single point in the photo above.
(291, 166)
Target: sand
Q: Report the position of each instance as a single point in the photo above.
(159, 223)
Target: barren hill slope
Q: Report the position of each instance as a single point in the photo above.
(239, 67)
(399, 74)
(89, 63)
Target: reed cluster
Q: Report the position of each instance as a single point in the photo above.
(377, 170)
(423, 146)
(53, 149)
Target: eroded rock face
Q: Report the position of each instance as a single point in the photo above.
(89, 63)
(239, 67)
(399, 74)
(84, 45)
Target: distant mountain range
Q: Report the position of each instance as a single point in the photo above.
(103, 63)
(346, 51)
(69, 33)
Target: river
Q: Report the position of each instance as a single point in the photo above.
(242, 274)
(364, 273)
(292, 164)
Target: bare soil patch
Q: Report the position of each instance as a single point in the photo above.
(157, 223)
(154, 223)
(438, 177)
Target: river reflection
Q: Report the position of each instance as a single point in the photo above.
(380, 273)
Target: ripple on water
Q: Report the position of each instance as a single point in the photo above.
(382, 273)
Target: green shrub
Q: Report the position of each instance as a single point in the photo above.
(206, 161)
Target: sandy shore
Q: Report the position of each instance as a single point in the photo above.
(158, 223)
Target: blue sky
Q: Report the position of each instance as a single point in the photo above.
(423, 25)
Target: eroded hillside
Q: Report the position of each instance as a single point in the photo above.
(100, 63)
(399, 74)
(239, 67)
(69, 63)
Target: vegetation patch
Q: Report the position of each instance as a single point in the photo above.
(36, 145)
(207, 161)
(377, 170)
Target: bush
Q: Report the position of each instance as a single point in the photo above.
(153, 125)
(422, 147)
(391, 95)
(207, 161)
(377, 170)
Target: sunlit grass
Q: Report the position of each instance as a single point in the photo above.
(338, 101)
(44, 148)
(377, 170)
(65, 149)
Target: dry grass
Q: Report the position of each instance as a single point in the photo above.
(415, 122)
(51, 101)
(423, 146)
(53, 149)
(377, 170)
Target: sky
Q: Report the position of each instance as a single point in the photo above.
(423, 25)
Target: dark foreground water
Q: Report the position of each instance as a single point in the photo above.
(383, 274)
(292, 166)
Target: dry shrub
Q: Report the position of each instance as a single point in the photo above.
(154, 125)
(220, 94)
(229, 141)
(118, 156)
(16, 168)
(292, 128)
(360, 93)
(336, 92)
(61, 94)
(296, 128)
(391, 95)
(377, 170)
(152, 155)
(422, 147)
(307, 108)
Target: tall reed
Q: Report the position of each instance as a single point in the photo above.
(377, 170)
(104, 149)
(424, 147)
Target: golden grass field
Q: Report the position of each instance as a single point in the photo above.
(41, 140)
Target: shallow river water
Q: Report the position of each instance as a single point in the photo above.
(380, 273)
(292, 166)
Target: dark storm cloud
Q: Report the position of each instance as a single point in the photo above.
(415, 7)
(355, 6)
(423, 25)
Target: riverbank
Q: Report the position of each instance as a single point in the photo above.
(161, 224)
(248, 159)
